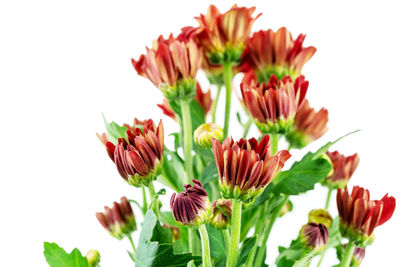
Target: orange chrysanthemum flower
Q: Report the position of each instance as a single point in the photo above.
(171, 65)
(309, 125)
(276, 53)
(359, 215)
(224, 35)
(273, 105)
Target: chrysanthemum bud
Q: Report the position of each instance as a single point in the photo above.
(320, 216)
(176, 233)
(246, 167)
(359, 215)
(358, 256)
(206, 132)
(192, 206)
(93, 258)
(119, 220)
(343, 169)
(221, 213)
(314, 236)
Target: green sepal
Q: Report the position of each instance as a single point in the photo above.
(281, 126)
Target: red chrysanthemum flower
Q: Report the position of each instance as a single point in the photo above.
(203, 99)
(246, 167)
(273, 105)
(119, 220)
(314, 236)
(138, 158)
(309, 125)
(359, 215)
(223, 35)
(192, 206)
(343, 169)
(276, 53)
(171, 65)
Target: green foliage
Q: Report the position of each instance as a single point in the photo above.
(217, 243)
(196, 112)
(248, 246)
(173, 173)
(181, 245)
(288, 256)
(210, 173)
(303, 175)
(114, 131)
(155, 246)
(58, 257)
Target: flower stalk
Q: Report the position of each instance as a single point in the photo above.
(205, 246)
(328, 198)
(187, 139)
(228, 75)
(348, 253)
(235, 233)
(215, 102)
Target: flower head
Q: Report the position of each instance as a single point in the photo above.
(119, 220)
(206, 132)
(138, 158)
(221, 213)
(171, 65)
(273, 105)
(276, 53)
(93, 258)
(314, 236)
(202, 98)
(246, 167)
(343, 169)
(192, 206)
(320, 216)
(309, 125)
(224, 35)
(359, 215)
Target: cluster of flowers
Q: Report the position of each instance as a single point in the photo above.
(273, 92)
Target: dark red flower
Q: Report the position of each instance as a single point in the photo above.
(138, 158)
(276, 53)
(309, 125)
(273, 105)
(119, 220)
(314, 236)
(359, 215)
(343, 169)
(246, 167)
(192, 206)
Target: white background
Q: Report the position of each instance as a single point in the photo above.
(62, 63)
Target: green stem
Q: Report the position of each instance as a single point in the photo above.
(227, 239)
(235, 233)
(305, 260)
(205, 246)
(144, 198)
(247, 127)
(132, 244)
(215, 102)
(187, 139)
(321, 258)
(328, 198)
(228, 75)
(348, 254)
(153, 197)
(274, 143)
(262, 241)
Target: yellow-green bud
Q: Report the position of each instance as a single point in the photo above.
(93, 258)
(206, 132)
(221, 213)
(320, 216)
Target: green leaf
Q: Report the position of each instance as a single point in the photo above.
(335, 237)
(217, 243)
(173, 173)
(57, 257)
(155, 246)
(302, 176)
(210, 173)
(288, 256)
(114, 131)
(248, 245)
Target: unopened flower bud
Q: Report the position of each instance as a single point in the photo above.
(119, 220)
(221, 213)
(314, 236)
(175, 231)
(358, 256)
(342, 169)
(192, 206)
(206, 132)
(93, 258)
(288, 207)
(320, 216)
